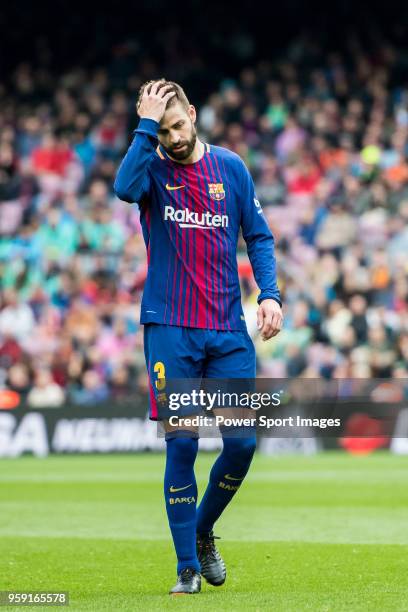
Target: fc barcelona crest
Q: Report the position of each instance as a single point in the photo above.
(216, 191)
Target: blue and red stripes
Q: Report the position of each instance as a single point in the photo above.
(197, 277)
(194, 277)
(220, 264)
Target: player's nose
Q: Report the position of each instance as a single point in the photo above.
(175, 139)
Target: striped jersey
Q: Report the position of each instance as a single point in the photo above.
(191, 215)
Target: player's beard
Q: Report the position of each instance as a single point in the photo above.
(189, 146)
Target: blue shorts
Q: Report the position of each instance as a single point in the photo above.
(174, 352)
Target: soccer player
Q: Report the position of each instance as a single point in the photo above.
(194, 198)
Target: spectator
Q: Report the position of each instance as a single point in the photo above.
(16, 318)
(93, 390)
(45, 393)
(19, 379)
(326, 141)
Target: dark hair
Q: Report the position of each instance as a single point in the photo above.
(178, 90)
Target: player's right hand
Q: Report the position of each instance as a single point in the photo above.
(154, 100)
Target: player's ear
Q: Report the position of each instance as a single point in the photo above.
(192, 113)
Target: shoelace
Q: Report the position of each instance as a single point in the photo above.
(185, 575)
(207, 542)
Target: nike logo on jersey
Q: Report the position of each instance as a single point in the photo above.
(228, 477)
(173, 188)
(174, 490)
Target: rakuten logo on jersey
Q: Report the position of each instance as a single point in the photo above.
(187, 218)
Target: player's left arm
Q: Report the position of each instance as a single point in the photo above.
(261, 251)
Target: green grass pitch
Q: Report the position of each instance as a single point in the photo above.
(321, 533)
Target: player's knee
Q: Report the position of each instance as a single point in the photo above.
(182, 449)
(241, 449)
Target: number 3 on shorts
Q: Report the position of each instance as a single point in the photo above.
(161, 375)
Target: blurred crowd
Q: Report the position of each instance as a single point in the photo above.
(326, 140)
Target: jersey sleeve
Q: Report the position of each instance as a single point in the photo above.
(259, 240)
(132, 183)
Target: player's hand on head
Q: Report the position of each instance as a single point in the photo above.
(269, 319)
(154, 100)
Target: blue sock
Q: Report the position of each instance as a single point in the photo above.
(180, 492)
(226, 476)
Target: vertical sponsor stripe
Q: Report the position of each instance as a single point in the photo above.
(181, 252)
(234, 315)
(188, 261)
(169, 229)
(223, 246)
(206, 253)
(227, 278)
(193, 315)
(212, 239)
(175, 270)
(216, 260)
